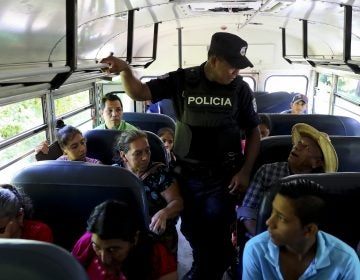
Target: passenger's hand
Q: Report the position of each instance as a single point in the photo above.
(42, 147)
(116, 65)
(239, 182)
(158, 222)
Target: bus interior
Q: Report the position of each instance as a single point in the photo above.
(50, 69)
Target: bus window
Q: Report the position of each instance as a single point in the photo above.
(347, 98)
(349, 89)
(322, 95)
(250, 81)
(296, 84)
(18, 136)
(19, 117)
(76, 108)
(18, 155)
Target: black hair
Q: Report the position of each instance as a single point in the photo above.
(265, 120)
(12, 199)
(114, 220)
(65, 134)
(127, 137)
(59, 124)
(118, 220)
(110, 96)
(308, 199)
(164, 130)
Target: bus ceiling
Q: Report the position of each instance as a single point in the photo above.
(62, 38)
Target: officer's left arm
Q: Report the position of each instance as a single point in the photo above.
(240, 180)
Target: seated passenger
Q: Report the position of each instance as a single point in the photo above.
(298, 105)
(112, 112)
(164, 199)
(44, 146)
(73, 145)
(114, 247)
(167, 135)
(15, 217)
(312, 152)
(264, 125)
(293, 247)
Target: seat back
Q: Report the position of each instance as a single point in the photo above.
(281, 124)
(274, 102)
(54, 152)
(35, 260)
(65, 192)
(342, 200)
(149, 122)
(101, 145)
(277, 148)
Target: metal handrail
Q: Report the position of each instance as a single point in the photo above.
(28, 72)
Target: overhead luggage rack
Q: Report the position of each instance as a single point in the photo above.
(346, 62)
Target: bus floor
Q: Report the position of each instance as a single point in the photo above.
(185, 257)
(184, 253)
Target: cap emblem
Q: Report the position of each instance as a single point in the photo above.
(243, 51)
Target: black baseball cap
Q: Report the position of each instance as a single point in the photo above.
(232, 48)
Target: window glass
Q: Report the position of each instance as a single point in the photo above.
(17, 150)
(83, 120)
(345, 108)
(296, 84)
(324, 83)
(7, 173)
(349, 89)
(322, 95)
(250, 81)
(19, 117)
(70, 103)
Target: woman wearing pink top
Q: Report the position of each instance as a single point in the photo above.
(73, 145)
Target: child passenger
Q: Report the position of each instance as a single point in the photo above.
(73, 145)
(116, 247)
(167, 135)
(15, 214)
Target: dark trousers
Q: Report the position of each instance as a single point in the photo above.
(209, 211)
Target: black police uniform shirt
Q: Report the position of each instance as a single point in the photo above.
(209, 115)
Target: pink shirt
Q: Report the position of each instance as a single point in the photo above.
(162, 261)
(87, 159)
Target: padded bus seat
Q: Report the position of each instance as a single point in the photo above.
(274, 102)
(34, 260)
(64, 193)
(150, 122)
(281, 124)
(101, 145)
(342, 200)
(277, 148)
(54, 152)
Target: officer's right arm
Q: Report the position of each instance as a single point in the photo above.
(132, 85)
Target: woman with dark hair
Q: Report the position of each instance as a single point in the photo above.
(116, 246)
(15, 217)
(73, 145)
(162, 191)
(167, 135)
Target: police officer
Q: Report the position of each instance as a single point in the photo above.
(213, 106)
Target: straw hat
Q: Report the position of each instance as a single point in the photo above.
(322, 139)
